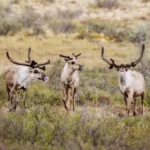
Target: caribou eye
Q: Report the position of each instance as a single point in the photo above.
(73, 63)
(36, 71)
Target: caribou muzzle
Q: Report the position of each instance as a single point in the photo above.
(43, 77)
(81, 68)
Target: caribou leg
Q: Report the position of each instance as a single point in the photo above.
(16, 100)
(72, 97)
(11, 100)
(8, 92)
(24, 98)
(134, 107)
(12, 94)
(128, 109)
(73, 94)
(125, 100)
(69, 99)
(142, 98)
(64, 94)
(129, 99)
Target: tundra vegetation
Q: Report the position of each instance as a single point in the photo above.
(53, 27)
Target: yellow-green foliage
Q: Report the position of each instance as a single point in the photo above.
(3, 93)
(114, 30)
(47, 128)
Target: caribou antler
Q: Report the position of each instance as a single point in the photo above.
(29, 59)
(42, 64)
(34, 63)
(30, 63)
(116, 66)
(76, 56)
(106, 60)
(67, 57)
(15, 62)
(132, 64)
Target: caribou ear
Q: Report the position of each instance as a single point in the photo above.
(43, 68)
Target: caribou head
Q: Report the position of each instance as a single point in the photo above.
(73, 62)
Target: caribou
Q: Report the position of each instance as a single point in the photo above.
(70, 79)
(131, 83)
(20, 77)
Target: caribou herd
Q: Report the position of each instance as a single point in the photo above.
(131, 83)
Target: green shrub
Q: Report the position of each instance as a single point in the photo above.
(29, 17)
(8, 25)
(112, 31)
(40, 96)
(3, 93)
(61, 26)
(69, 13)
(47, 128)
